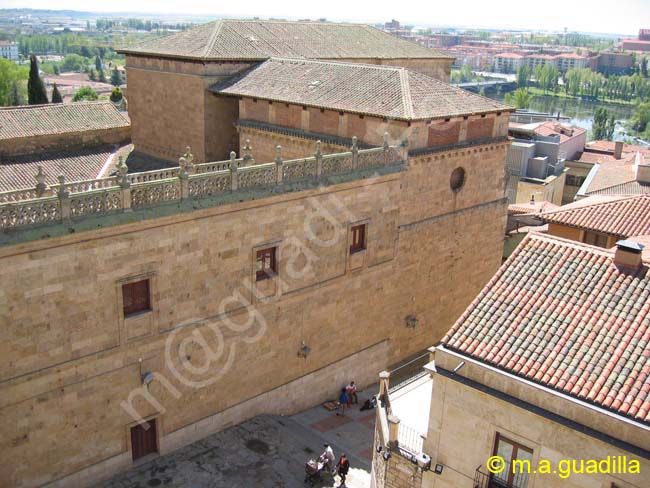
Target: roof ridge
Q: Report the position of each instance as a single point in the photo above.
(333, 62)
(213, 37)
(407, 101)
(614, 200)
(58, 105)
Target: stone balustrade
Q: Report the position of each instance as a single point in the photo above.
(125, 192)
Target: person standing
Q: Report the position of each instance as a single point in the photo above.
(342, 468)
(343, 401)
(351, 390)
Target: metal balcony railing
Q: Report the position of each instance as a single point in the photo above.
(506, 479)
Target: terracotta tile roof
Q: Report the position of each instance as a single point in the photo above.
(561, 314)
(383, 91)
(627, 188)
(609, 146)
(228, 39)
(531, 207)
(566, 132)
(77, 165)
(59, 118)
(617, 216)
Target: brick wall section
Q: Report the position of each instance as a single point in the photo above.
(443, 133)
(480, 128)
(69, 358)
(58, 142)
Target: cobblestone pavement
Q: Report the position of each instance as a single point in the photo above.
(266, 451)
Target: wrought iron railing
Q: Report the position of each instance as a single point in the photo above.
(505, 479)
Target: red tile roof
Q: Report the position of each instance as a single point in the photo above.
(59, 118)
(531, 207)
(617, 216)
(566, 132)
(561, 314)
(77, 165)
(384, 91)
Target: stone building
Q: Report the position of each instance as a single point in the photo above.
(170, 103)
(547, 369)
(144, 311)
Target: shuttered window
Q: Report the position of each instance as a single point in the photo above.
(135, 297)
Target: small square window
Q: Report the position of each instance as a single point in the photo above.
(266, 263)
(135, 297)
(358, 238)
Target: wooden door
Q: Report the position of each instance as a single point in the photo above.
(143, 440)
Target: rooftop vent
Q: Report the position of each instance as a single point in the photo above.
(628, 255)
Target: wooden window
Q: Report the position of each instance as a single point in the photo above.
(266, 264)
(135, 297)
(358, 238)
(595, 239)
(511, 451)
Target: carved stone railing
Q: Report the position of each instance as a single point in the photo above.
(124, 192)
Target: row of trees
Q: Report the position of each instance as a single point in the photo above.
(547, 77)
(63, 44)
(585, 83)
(138, 24)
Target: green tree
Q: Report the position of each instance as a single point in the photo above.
(603, 125)
(116, 79)
(116, 95)
(91, 75)
(641, 118)
(56, 69)
(520, 98)
(98, 64)
(102, 77)
(56, 95)
(85, 93)
(523, 76)
(12, 83)
(644, 67)
(35, 88)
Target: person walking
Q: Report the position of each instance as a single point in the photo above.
(342, 468)
(329, 458)
(343, 401)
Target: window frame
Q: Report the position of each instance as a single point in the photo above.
(597, 239)
(263, 273)
(516, 446)
(132, 283)
(359, 237)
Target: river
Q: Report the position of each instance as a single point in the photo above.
(581, 112)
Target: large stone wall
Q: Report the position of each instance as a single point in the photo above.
(369, 129)
(69, 357)
(171, 108)
(58, 142)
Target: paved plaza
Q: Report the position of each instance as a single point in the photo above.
(266, 451)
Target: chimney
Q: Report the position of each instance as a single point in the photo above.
(628, 255)
(618, 149)
(642, 169)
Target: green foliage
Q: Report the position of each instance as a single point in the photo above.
(641, 118)
(35, 89)
(56, 69)
(85, 93)
(98, 63)
(12, 83)
(56, 95)
(74, 62)
(604, 124)
(585, 83)
(523, 76)
(91, 75)
(547, 77)
(116, 95)
(520, 98)
(116, 79)
(102, 76)
(464, 75)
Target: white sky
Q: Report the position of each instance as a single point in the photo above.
(607, 16)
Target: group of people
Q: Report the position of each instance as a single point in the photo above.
(347, 397)
(341, 467)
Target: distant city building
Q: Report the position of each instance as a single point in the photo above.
(615, 63)
(507, 62)
(9, 50)
(642, 43)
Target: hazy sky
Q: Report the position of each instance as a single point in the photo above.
(611, 16)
